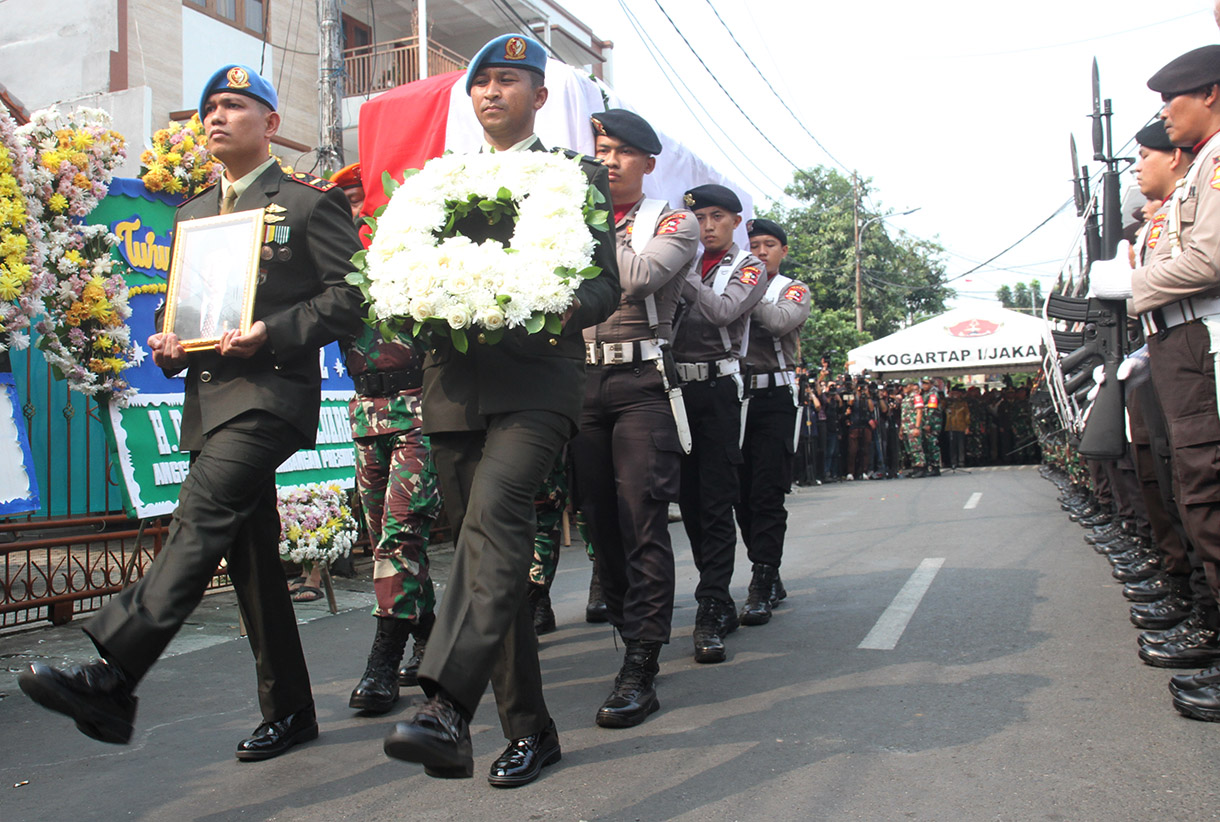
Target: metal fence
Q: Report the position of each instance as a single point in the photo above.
(381, 66)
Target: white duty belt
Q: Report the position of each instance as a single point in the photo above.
(1183, 311)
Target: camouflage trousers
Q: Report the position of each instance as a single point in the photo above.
(913, 447)
(931, 448)
(975, 445)
(548, 508)
(401, 496)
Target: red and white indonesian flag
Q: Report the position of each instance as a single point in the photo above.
(409, 125)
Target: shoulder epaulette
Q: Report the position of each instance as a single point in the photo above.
(312, 181)
(199, 193)
(584, 158)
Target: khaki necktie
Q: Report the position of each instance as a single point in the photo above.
(230, 200)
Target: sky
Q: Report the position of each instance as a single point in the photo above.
(960, 108)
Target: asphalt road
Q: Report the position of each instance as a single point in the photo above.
(999, 681)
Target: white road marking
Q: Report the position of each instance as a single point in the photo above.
(973, 502)
(885, 634)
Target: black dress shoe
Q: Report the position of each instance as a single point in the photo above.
(98, 696)
(1162, 614)
(437, 737)
(1192, 682)
(270, 739)
(524, 759)
(1198, 649)
(1192, 623)
(1154, 588)
(1202, 703)
(1140, 569)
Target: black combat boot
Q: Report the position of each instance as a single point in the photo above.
(378, 689)
(408, 674)
(714, 621)
(540, 600)
(596, 611)
(760, 596)
(634, 696)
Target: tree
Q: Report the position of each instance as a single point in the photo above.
(1022, 297)
(903, 276)
(830, 333)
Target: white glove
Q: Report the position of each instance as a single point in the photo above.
(1133, 371)
(1111, 279)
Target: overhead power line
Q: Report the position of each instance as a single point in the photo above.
(778, 96)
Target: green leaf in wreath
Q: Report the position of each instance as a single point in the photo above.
(459, 339)
(388, 184)
(554, 324)
(493, 337)
(590, 272)
(416, 328)
(358, 258)
(371, 222)
(535, 323)
(598, 220)
(356, 278)
(504, 194)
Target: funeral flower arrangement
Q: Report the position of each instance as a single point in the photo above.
(419, 272)
(179, 161)
(316, 524)
(22, 278)
(84, 333)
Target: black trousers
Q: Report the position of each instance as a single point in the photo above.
(627, 462)
(226, 508)
(484, 627)
(710, 482)
(766, 466)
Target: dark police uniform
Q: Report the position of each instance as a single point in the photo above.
(770, 434)
(241, 419)
(627, 455)
(707, 347)
(497, 417)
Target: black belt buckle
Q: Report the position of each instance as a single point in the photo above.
(1158, 319)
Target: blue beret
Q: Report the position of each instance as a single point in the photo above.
(508, 51)
(629, 127)
(760, 226)
(711, 194)
(1190, 71)
(239, 80)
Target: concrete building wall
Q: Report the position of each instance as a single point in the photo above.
(52, 50)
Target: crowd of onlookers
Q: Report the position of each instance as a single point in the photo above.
(850, 426)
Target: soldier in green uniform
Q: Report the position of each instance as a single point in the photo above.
(933, 422)
(912, 429)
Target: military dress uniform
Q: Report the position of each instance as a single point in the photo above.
(933, 423)
(497, 417)
(707, 346)
(770, 435)
(241, 419)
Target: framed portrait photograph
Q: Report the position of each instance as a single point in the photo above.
(212, 277)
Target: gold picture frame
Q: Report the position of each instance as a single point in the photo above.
(213, 276)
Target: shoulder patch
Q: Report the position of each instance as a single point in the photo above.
(671, 224)
(749, 274)
(199, 193)
(312, 181)
(794, 292)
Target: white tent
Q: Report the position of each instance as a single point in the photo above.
(974, 340)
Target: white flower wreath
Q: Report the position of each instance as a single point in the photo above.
(417, 270)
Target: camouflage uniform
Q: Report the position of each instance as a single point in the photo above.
(395, 477)
(976, 434)
(548, 507)
(912, 404)
(933, 422)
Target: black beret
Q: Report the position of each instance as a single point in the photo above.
(1192, 70)
(629, 127)
(709, 195)
(1154, 136)
(761, 226)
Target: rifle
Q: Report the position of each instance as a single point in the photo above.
(1092, 332)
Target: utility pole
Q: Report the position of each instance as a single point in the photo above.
(421, 37)
(855, 219)
(330, 97)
